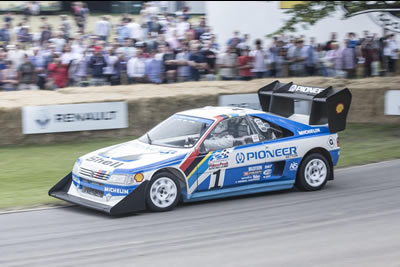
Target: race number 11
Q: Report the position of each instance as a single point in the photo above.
(214, 180)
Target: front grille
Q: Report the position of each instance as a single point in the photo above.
(92, 192)
(103, 175)
(92, 182)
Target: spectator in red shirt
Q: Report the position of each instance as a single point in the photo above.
(58, 74)
(245, 65)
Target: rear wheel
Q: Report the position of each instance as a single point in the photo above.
(163, 192)
(313, 173)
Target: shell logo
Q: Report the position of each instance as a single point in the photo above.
(139, 177)
(339, 108)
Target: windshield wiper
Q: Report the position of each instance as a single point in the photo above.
(148, 137)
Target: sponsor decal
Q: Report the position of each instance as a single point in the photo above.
(287, 152)
(331, 142)
(249, 178)
(168, 152)
(252, 172)
(219, 160)
(88, 116)
(106, 162)
(139, 177)
(74, 117)
(339, 108)
(240, 157)
(267, 173)
(116, 190)
(261, 125)
(305, 89)
(311, 131)
(42, 119)
(293, 166)
(255, 138)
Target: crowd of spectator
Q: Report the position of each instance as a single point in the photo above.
(164, 48)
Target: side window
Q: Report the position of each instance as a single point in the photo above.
(230, 133)
(268, 130)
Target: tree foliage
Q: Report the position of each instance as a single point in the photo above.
(310, 12)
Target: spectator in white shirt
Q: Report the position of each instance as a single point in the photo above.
(111, 58)
(134, 29)
(182, 27)
(259, 57)
(390, 53)
(128, 49)
(227, 63)
(59, 41)
(103, 28)
(136, 67)
(68, 55)
(15, 55)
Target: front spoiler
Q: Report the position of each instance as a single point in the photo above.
(134, 202)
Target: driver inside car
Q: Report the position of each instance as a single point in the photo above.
(223, 136)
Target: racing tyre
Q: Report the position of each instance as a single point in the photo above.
(163, 192)
(313, 173)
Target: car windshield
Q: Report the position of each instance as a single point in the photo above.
(177, 131)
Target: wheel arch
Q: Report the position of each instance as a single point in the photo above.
(325, 153)
(176, 173)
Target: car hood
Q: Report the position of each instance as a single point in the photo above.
(136, 150)
(132, 155)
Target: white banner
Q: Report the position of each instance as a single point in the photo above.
(392, 102)
(74, 117)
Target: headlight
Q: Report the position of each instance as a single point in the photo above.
(126, 179)
(118, 179)
(75, 169)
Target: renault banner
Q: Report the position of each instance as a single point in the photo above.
(74, 117)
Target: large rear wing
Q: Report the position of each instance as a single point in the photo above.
(328, 106)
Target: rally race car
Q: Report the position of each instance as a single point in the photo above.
(216, 152)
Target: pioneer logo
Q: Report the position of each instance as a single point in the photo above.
(305, 89)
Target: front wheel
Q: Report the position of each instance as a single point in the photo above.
(163, 192)
(313, 173)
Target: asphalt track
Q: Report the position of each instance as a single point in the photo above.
(354, 221)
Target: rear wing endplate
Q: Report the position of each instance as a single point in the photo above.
(328, 106)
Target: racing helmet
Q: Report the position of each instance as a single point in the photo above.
(221, 127)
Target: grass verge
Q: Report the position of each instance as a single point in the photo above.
(28, 172)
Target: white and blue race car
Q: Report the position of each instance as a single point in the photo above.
(216, 152)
